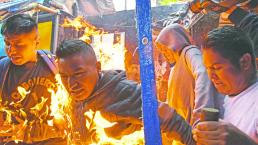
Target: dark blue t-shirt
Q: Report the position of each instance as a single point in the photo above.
(35, 80)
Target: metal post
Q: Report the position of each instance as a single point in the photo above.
(149, 99)
(55, 34)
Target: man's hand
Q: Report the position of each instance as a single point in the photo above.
(220, 133)
(165, 113)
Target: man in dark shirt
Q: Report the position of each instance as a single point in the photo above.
(25, 80)
(117, 99)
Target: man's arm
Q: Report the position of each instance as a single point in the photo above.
(205, 92)
(174, 126)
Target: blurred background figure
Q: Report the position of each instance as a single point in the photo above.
(88, 7)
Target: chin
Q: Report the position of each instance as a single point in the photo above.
(224, 92)
(17, 63)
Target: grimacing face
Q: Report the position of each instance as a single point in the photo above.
(166, 52)
(22, 48)
(225, 76)
(79, 74)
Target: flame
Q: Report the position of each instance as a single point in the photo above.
(59, 100)
(60, 108)
(100, 123)
(110, 54)
(8, 114)
(22, 91)
(76, 23)
(3, 108)
(80, 24)
(38, 107)
(20, 132)
(109, 49)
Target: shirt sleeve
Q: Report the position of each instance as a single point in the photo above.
(204, 89)
(174, 126)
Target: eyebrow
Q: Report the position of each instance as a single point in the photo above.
(15, 40)
(214, 64)
(79, 68)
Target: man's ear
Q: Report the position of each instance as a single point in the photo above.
(246, 62)
(98, 65)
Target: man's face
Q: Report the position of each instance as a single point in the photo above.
(166, 52)
(226, 77)
(21, 48)
(80, 74)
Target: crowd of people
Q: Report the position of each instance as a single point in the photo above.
(221, 75)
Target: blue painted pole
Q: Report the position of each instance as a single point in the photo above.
(149, 100)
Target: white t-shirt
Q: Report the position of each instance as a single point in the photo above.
(242, 111)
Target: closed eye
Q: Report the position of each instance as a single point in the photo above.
(215, 68)
(79, 74)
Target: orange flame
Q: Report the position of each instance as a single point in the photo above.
(109, 54)
(59, 102)
(8, 114)
(100, 123)
(80, 24)
(60, 108)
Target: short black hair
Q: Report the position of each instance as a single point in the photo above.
(230, 42)
(69, 47)
(18, 24)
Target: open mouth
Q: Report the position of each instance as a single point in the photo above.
(78, 92)
(15, 58)
(218, 84)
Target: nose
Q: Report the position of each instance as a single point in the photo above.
(72, 83)
(211, 73)
(10, 49)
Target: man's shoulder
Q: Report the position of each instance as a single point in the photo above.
(192, 50)
(4, 61)
(254, 87)
(128, 86)
(122, 81)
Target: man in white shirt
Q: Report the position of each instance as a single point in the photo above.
(230, 62)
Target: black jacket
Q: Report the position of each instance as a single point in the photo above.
(119, 100)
